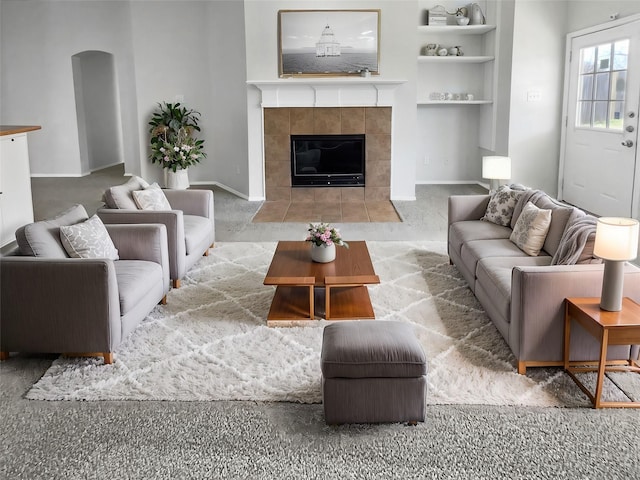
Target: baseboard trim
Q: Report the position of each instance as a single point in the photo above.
(227, 188)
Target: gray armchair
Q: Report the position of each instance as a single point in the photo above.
(56, 304)
(190, 222)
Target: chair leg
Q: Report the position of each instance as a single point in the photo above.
(164, 300)
(213, 245)
(522, 368)
(176, 283)
(4, 356)
(108, 358)
(206, 253)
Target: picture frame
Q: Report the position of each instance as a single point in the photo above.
(328, 42)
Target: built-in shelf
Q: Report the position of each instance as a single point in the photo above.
(455, 59)
(456, 29)
(454, 102)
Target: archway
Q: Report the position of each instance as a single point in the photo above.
(97, 110)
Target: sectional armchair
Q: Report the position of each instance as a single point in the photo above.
(188, 218)
(52, 303)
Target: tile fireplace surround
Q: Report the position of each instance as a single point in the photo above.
(373, 122)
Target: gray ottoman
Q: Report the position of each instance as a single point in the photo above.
(372, 372)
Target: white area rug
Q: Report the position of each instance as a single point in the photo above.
(210, 341)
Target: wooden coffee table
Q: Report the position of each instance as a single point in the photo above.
(304, 287)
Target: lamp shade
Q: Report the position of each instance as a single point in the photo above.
(616, 238)
(496, 167)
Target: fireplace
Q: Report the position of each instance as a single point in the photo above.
(374, 123)
(327, 160)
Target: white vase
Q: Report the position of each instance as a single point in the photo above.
(178, 180)
(323, 253)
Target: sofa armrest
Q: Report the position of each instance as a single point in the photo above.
(536, 332)
(466, 207)
(173, 220)
(191, 202)
(142, 242)
(58, 305)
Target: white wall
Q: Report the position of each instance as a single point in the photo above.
(161, 49)
(171, 61)
(587, 13)
(228, 73)
(397, 61)
(38, 39)
(536, 66)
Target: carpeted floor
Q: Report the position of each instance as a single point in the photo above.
(283, 440)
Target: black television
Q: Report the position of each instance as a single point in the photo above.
(327, 160)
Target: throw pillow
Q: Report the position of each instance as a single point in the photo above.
(120, 196)
(88, 239)
(531, 229)
(151, 198)
(42, 239)
(501, 205)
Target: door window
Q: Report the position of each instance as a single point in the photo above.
(602, 85)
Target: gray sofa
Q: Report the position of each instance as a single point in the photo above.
(524, 295)
(51, 303)
(190, 221)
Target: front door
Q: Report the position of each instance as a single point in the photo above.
(601, 135)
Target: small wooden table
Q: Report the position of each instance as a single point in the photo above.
(610, 328)
(301, 284)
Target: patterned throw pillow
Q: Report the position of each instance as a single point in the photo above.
(151, 198)
(501, 205)
(88, 239)
(531, 229)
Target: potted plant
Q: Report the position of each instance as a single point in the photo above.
(324, 238)
(173, 145)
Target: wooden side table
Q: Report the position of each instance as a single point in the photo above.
(609, 328)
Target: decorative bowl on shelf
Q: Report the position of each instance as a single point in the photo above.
(462, 20)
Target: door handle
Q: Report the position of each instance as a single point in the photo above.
(627, 143)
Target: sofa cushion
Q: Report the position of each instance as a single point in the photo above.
(195, 230)
(501, 206)
(151, 198)
(379, 349)
(531, 229)
(475, 250)
(133, 281)
(88, 239)
(494, 274)
(42, 239)
(121, 196)
(462, 232)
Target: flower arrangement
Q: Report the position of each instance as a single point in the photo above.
(325, 234)
(172, 143)
(180, 152)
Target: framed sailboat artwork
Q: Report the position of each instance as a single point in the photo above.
(328, 42)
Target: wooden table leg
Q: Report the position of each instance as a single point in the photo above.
(567, 336)
(604, 342)
(312, 307)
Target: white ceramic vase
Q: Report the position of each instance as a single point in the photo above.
(323, 253)
(178, 180)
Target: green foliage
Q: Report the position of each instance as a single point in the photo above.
(173, 145)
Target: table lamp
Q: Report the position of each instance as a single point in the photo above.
(616, 242)
(495, 169)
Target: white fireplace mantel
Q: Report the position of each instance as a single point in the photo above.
(327, 92)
